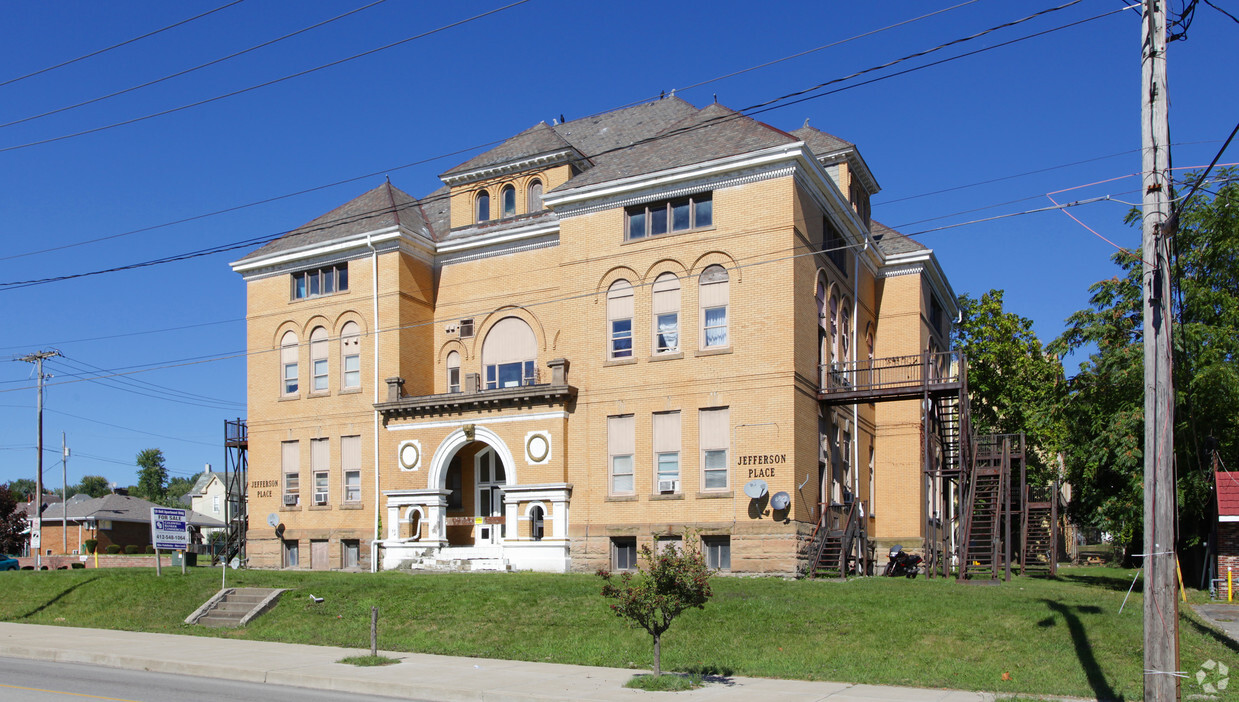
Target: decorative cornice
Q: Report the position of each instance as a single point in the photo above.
(567, 155)
(455, 402)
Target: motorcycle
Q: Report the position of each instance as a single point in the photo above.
(902, 563)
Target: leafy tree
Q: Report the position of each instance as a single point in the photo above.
(152, 475)
(94, 485)
(178, 486)
(12, 521)
(1014, 385)
(22, 487)
(673, 581)
(1105, 406)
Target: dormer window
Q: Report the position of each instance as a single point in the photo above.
(483, 207)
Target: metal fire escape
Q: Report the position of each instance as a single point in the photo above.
(940, 382)
(236, 506)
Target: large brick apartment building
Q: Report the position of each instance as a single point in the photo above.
(591, 337)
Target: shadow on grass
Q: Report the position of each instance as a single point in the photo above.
(57, 598)
(711, 673)
(1105, 581)
(1084, 649)
(1206, 630)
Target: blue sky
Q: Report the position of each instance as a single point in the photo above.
(1041, 116)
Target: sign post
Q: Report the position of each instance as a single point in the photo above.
(169, 531)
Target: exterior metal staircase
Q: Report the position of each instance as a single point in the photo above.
(986, 511)
(1038, 552)
(839, 543)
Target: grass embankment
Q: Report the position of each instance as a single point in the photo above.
(1030, 636)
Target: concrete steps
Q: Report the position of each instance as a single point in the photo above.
(234, 606)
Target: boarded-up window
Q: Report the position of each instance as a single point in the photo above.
(350, 353)
(535, 196)
(714, 440)
(509, 354)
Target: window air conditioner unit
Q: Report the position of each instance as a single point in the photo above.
(665, 486)
(320, 498)
(290, 500)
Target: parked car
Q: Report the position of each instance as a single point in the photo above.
(8, 563)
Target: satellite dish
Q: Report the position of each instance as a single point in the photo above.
(780, 501)
(279, 529)
(273, 519)
(756, 489)
(234, 563)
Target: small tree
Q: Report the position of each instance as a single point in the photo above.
(152, 475)
(672, 581)
(94, 485)
(12, 522)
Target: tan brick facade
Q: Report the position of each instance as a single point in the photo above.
(567, 499)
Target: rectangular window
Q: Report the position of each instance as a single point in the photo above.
(715, 326)
(350, 557)
(620, 442)
(510, 375)
(714, 428)
(624, 553)
(621, 338)
(466, 328)
(453, 379)
(350, 465)
(663, 542)
(320, 375)
(320, 281)
(215, 504)
(320, 462)
(320, 487)
(717, 550)
(290, 459)
(352, 371)
(666, 431)
(290, 377)
(679, 215)
(291, 556)
(835, 246)
(667, 338)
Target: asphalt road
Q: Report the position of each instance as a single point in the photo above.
(39, 681)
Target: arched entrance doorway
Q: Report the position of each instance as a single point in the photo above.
(475, 507)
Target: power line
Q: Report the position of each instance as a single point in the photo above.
(137, 431)
(178, 74)
(145, 389)
(265, 84)
(62, 64)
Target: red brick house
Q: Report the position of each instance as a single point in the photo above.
(1228, 522)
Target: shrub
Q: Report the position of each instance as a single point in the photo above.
(90, 545)
(132, 549)
(112, 549)
(150, 549)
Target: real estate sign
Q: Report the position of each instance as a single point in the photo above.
(169, 528)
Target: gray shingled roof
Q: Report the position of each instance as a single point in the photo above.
(538, 139)
(891, 242)
(379, 208)
(437, 209)
(604, 132)
(119, 508)
(820, 142)
(713, 132)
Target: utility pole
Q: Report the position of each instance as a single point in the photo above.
(36, 533)
(1161, 606)
(64, 495)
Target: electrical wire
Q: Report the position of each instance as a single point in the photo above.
(199, 67)
(265, 84)
(145, 388)
(62, 64)
(136, 431)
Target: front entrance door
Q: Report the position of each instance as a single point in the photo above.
(318, 555)
(490, 481)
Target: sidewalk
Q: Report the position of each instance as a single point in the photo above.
(416, 676)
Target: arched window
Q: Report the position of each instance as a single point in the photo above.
(415, 524)
(823, 334)
(507, 199)
(666, 313)
(288, 361)
(483, 206)
(834, 326)
(318, 360)
(619, 320)
(535, 196)
(350, 353)
(509, 354)
(845, 333)
(453, 371)
(536, 522)
(713, 295)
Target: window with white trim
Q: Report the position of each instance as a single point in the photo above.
(621, 440)
(623, 553)
(666, 430)
(320, 464)
(290, 467)
(350, 353)
(713, 296)
(714, 427)
(327, 280)
(677, 215)
(319, 378)
(453, 371)
(619, 320)
(289, 351)
(666, 304)
(350, 467)
(510, 354)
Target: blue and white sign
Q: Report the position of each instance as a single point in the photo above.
(169, 528)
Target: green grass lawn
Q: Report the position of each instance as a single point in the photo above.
(1050, 637)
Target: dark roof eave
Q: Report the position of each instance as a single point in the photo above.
(524, 396)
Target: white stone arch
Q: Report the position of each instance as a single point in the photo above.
(453, 443)
(407, 517)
